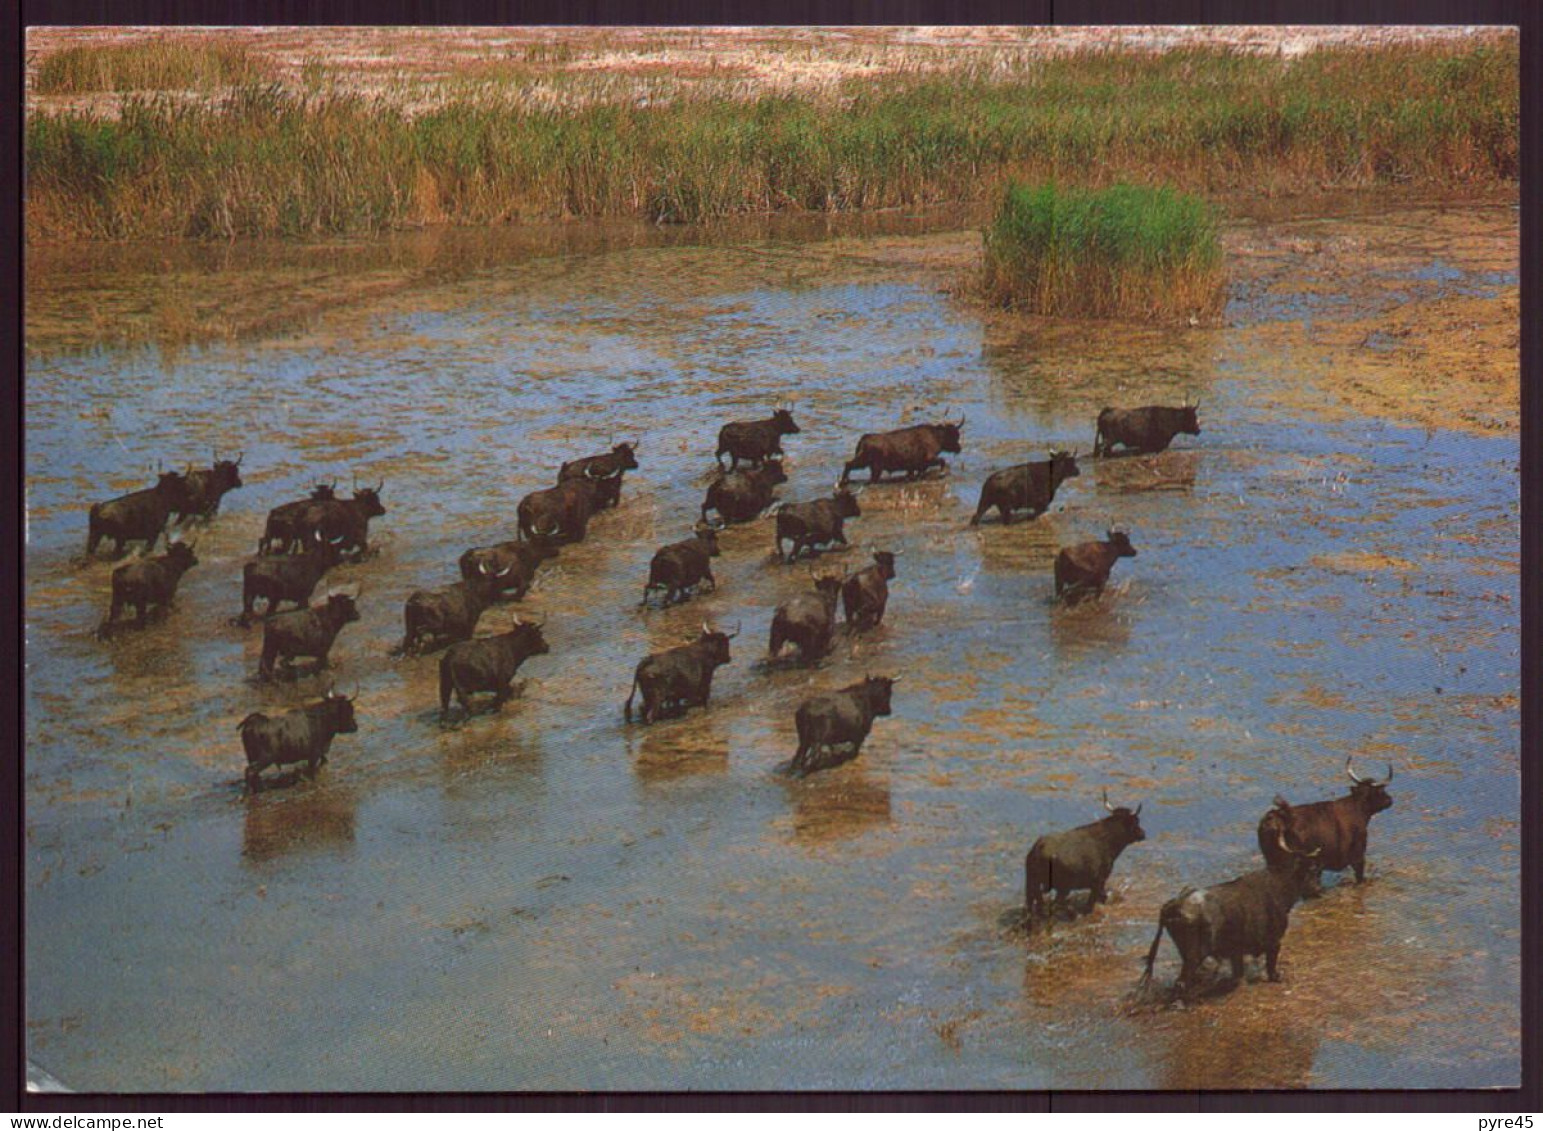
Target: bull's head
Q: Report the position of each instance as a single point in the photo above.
(718, 643)
(181, 554)
(343, 606)
(771, 472)
(530, 632)
(1063, 465)
(828, 585)
(707, 534)
(1127, 820)
(885, 560)
(369, 499)
(227, 473)
(947, 435)
(1189, 420)
(324, 492)
(877, 689)
(1371, 796)
(341, 708)
(626, 456)
(783, 419)
(846, 502)
(1119, 542)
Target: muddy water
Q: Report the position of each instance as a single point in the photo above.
(549, 899)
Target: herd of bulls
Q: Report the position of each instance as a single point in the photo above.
(304, 539)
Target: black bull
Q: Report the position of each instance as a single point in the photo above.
(139, 516)
(842, 718)
(1148, 429)
(1079, 859)
(912, 450)
(207, 486)
(302, 735)
(1028, 486)
(487, 665)
(606, 469)
(561, 514)
(679, 678)
(436, 617)
(514, 563)
(740, 496)
(1233, 921)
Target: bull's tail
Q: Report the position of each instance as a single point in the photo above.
(1098, 434)
(1164, 917)
(1157, 941)
(627, 707)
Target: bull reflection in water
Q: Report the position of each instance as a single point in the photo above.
(698, 745)
(838, 805)
(1170, 471)
(299, 820)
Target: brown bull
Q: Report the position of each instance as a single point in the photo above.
(1337, 828)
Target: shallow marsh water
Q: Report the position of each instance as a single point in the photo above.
(547, 898)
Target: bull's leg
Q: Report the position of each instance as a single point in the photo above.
(1188, 973)
(711, 580)
(1236, 962)
(1360, 869)
(265, 664)
(254, 778)
(311, 765)
(1271, 961)
(141, 608)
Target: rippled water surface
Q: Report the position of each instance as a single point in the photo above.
(548, 898)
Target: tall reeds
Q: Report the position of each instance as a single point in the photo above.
(159, 64)
(1120, 252)
(272, 160)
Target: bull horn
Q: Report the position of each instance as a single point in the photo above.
(505, 571)
(1137, 813)
(482, 567)
(378, 486)
(327, 694)
(1106, 802)
(1389, 778)
(705, 630)
(240, 457)
(1352, 773)
(737, 626)
(1280, 839)
(355, 695)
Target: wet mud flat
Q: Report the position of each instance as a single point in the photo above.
(549, 898)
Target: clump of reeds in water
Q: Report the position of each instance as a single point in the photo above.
(1120, 252)
(159, 64)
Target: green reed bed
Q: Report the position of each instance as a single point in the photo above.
(1122, 252)
(161, 64)
(271, 160)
